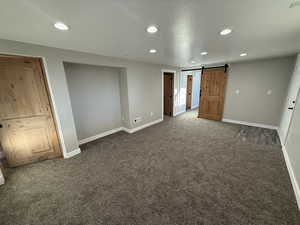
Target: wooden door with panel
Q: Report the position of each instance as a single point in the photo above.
(213, 84)
(28, 132)
(168, 94)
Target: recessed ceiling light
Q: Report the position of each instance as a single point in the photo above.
(226, 31)
(152, 51)
(61, 26)
(152, 29)
(243, 54)
(204, 53)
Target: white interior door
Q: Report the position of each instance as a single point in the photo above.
(290, 102)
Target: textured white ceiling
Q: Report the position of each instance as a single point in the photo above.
(262, 28)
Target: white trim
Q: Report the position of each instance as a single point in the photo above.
(250, 124)
(73, 153)
(127, 130)
(280, 135)
(292, 175)
(162, 94)
(95, 137)
(106, 133)
(133, 130)
(55, 116)
(2, 180)
(178, 113)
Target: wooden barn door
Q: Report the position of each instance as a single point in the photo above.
(213, 83)
(27, 129)
(168, 94)
(189, 91)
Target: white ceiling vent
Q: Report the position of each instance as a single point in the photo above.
(295, 4)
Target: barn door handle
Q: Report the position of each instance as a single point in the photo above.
(291, 108)
(1, 125)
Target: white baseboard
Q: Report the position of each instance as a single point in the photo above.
(292, 175)
(250, 124)
(106, 133)
(178, 113)
(73, 153)
(133, 130)
(127, 130)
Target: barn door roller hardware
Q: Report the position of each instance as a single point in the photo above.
(207, 68)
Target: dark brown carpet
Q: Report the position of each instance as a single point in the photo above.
(182, 171)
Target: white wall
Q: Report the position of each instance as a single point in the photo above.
(124, 98)
(95, 98)
(292, 148)
(143, 83)
(291, 125)
(254, 79)
(290, 97)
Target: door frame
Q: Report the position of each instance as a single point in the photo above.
(162, 90)
(49, 90)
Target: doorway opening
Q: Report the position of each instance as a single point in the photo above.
(168, 81)
(28, 132)
(190, 83)
(205, 91)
